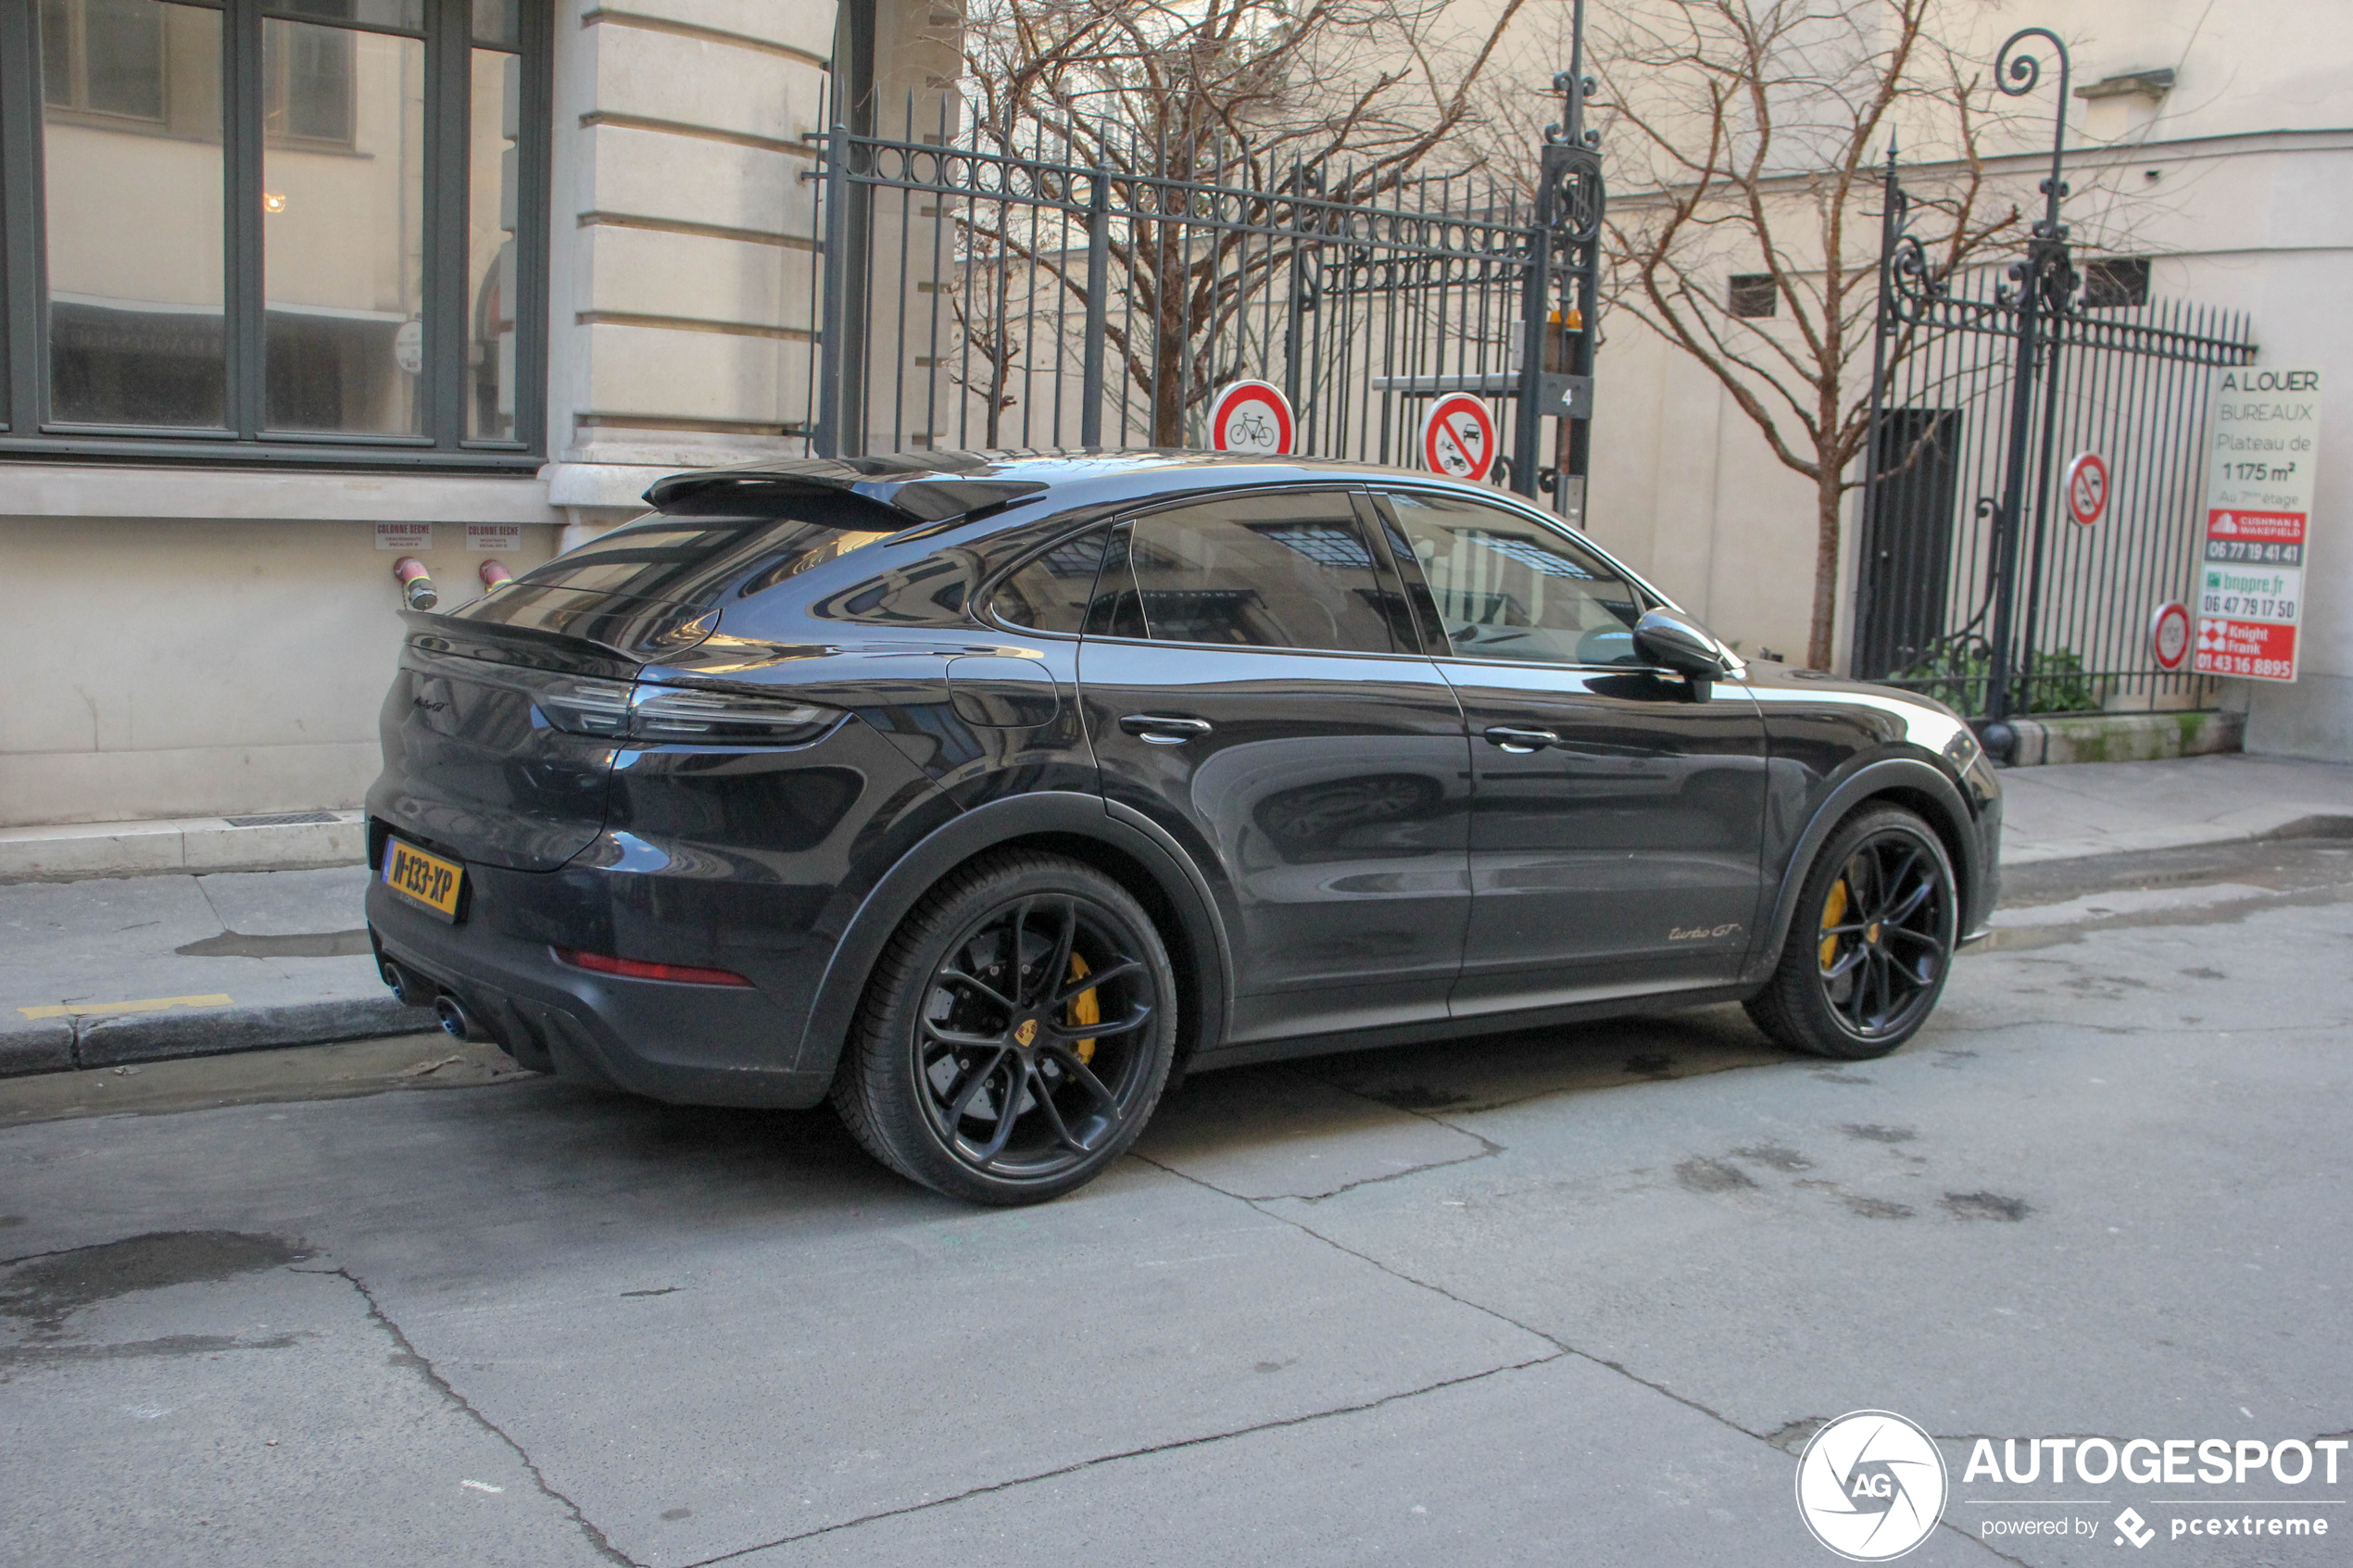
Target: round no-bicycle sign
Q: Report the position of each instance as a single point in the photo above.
(2170, 634)
(2086, 487)
(1458, 437)
(1251, 415)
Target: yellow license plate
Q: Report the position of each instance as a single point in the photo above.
(427, 879)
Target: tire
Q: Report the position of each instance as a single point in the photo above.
(971, 1010)
(1871, 944)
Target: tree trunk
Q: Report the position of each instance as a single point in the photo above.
(1827, 494)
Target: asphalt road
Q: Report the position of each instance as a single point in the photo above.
(1578, 1297)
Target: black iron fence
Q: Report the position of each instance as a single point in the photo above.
(976, 296)
(1977, 584)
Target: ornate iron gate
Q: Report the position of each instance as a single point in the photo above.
(1975, 586)
(976, 296)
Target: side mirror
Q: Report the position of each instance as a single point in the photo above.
(1667, 637)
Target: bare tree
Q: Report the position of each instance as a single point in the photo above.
(1344, 99)
(1749, 130)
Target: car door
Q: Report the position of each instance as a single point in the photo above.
(1617, 810)
(1249, 680)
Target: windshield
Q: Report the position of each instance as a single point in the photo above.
(703, 561)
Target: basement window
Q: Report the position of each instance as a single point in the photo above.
(2116, 283)
(1752, 295)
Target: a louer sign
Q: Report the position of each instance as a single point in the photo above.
(2258, 511)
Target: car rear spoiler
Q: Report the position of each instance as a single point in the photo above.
(933, 487)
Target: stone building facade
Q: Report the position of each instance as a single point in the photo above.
(276, 274)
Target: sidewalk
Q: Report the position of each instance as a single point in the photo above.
(2111, 808)
(139, 968)
(122, 970)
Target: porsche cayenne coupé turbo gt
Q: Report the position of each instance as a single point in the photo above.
(979, 795)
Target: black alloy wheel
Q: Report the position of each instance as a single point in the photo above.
(1016, 1035)
(1870, 943)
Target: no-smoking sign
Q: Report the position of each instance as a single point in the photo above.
(2086, 488)
(1458, 437)
(1251, 415)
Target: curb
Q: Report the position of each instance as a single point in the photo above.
(2254, 825)
(280, 841)
(65, 1045)
(2125, 737)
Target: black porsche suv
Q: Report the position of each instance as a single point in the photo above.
(982, 794)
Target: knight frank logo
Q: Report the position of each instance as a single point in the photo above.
(1870, 1486)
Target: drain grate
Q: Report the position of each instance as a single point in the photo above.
(281, 819)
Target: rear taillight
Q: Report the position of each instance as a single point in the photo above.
(638, 968)
(708, 718)
(577, 704)
(589, 705)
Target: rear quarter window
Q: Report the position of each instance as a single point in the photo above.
(1050, 592)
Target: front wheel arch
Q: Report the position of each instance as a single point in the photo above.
(1917, 785)
(1819, 997)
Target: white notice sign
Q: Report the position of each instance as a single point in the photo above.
(501, 537)
(2258, 512)
(409, 536)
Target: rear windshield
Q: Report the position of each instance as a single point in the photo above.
(703, 561)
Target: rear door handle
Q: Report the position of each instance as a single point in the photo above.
(1165, 729)
(1520, 740)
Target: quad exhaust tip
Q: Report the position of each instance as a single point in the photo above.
(456, 1021)
(407, 989)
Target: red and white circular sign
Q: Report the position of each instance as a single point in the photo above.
(1251, 415)
(1458, 437)
(2170, 634)
(2086, 487)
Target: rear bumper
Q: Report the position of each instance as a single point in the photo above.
(689, 1045)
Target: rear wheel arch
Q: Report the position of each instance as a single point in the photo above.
(1059, 822)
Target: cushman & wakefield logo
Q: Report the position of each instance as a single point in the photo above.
(1870, 1486)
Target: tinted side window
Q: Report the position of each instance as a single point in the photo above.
(1050, 593)
(1274, 571)
(1505, 587)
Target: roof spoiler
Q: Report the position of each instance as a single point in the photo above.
(930, 488)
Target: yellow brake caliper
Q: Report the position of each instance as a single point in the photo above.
(1833, 911)
(1085, 1008)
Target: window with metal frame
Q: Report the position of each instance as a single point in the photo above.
(308, 231)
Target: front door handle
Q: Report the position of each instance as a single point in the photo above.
(1520, 740)
(1165, 729)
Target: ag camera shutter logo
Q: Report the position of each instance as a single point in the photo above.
(1870, 1486)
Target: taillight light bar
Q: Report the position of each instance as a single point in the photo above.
(638, 968)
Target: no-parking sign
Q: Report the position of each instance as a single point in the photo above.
(2170, 634)
(1251, 415)
(2086, 487)
(1458, 437)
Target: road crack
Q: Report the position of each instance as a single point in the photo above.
(1563, 1349)
(1172, 1445)
(409, 1356)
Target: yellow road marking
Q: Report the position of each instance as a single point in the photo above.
(153, 1004)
